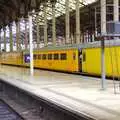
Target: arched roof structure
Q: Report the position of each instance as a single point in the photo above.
(11, 10)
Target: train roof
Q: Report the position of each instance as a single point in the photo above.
(108, 43)
(96, 44)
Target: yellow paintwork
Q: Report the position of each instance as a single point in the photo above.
(64, 65)
(92, 65)
(12, 58)
(70, 65)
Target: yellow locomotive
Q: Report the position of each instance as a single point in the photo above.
(74, 58)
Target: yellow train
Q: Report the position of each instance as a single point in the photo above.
(65, 59)
(76, 58)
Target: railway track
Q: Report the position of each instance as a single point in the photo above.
(7, 113)
(30, 107)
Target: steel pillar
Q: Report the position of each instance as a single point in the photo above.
(103, 32)
(77, 22)
(38, 31)
(4, 29)
(26, 35)
(45, 25)
(103, 17)
(31, 45)
(103, 82)
(11, 38)
(0, 40)
(116, 13)
(18, 42)
(95, 21)
(67, 19)
(19, 34)
(53, 25)
(116, 10)
(17, 37)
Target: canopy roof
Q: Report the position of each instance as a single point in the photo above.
(12, 10)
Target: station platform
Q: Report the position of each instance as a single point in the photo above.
(76, 93)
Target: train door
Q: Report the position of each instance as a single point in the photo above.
(80, 59)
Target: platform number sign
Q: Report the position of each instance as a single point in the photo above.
(27, 58)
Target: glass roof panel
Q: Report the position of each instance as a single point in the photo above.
(59, 10)
(60, 7)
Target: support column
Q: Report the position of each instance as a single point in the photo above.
(77, 22)
(67, 19)
(0, 40)
(45, 25)
(18, 43)
(26, 35)
(4, 29)
(103, 32)
(53, 24)
(116, 10)
(38, 31)
(11, 38)
(95, 22)
(17, 37)
(31, 45)
(103, 17)
(116, 13)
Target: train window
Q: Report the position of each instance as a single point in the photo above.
(84, 57)
(39, 56)
(63, 56)
(35, 56)
(49, 56)
(56, 56)
(74, 56)
(44, 56)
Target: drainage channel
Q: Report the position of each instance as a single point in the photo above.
(31, 107)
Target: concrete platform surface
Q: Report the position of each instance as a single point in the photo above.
(76, 93)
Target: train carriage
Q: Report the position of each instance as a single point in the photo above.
(75, 58)
(91, 62)
(65, 59)
(11, 58)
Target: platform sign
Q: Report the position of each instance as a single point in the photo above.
(27, 58)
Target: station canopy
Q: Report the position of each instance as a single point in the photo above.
(11, 10)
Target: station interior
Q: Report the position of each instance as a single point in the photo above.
(59, 59)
